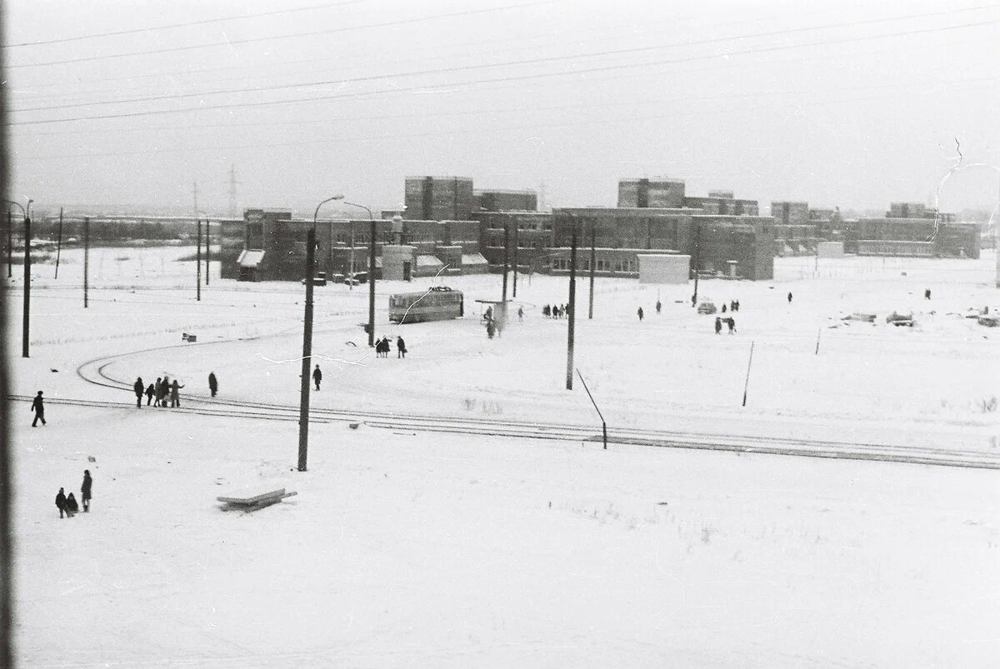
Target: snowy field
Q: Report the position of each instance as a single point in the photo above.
(408, 548)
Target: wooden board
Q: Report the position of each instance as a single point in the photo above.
(252, 496)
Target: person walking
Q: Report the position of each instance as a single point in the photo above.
(723, 307)
(213, 383)
(164, 391)
(520, 313)
(39, 409)
(732, 324)
(158, 391)
(658, 306)
(927, 294)
(71, 506)
(85, 489)
(317, 377)
(150, 391)
(639, 312)
(718, 325)
(61, 502)
(175, 394)
(400, 347)
(789, 297)
(139, 388)
(490, 329)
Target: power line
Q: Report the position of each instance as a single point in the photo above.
(450, 132)
(465, 68)
(526, 77)
(469, 68)
(478, 43)
(172, 26)
(313, 33)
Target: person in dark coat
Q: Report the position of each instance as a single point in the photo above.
(718, 325)
(150, 392)
(139, 388)
(927, 294)
(732, 325)
(85, 489)
(490, 329)
(175, 394)
(39, 409)
(789, 297)
(386, 347)
(157, 391)
(213, 383)
(547, 311)
(400, 348)
(61, 502)
(723, 308)
(71, 506)
(658, 306)
(164, 391)
(736, 307)
(317, 377)
(520, 313)
(639, 312)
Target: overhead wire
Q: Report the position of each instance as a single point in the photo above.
(189, 24)
(460, 68)
(524, 77)
(313, 33)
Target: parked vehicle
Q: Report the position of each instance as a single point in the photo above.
(438, 303)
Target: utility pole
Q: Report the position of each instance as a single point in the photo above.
(572, 309)
(350, 270)
(208, 251)
(506, 268)
(593, 264)
(86, 258)
(27, 282)
(232, 191)
(307, 351)
(197, 262)
(59, 241)
(371, 273)
(10, 244)
(697, 254)
(517, 228)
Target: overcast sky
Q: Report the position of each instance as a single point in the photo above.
(852, 103)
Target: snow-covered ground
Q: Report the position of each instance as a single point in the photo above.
(416, 549)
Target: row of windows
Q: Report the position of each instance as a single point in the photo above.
(600, 265)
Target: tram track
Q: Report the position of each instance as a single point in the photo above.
(94, 372)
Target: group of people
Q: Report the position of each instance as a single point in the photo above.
(67, 504)
(555, 311)
(728, 321)
(734, 305)
(383, 348)
(164, 390)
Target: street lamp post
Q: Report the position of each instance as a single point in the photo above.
(26, 316)
(371, 273)
(307, 340)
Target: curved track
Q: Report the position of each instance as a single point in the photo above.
(94, 372)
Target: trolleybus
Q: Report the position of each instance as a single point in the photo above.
(436, 304)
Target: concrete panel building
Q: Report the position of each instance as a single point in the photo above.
(530, 232)
(439, 198)
(925, 237)
(506, 200)
(657, 193)
(794, 229)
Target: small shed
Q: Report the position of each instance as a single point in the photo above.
(664, 268)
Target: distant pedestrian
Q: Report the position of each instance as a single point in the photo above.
(175, 394)
(520, 313)
(139, 388)
(386, 347)
(158, 392)
(736, 307)
(164, 391)
(555, 311)
(150, 392)
(400, 347)
(639, 312)
(658, 306)
(547, 311)
(39, 409)
(723, 307)
(927, 294)
(694, 300)
(732, 305)
(732, 325)
(85, 489)
(71, 506)
(61, 502)
(213, 383)
(490, 329)
(789, 297)
(718, 325)
(317, 377)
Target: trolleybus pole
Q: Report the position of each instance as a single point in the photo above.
(371, 273)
